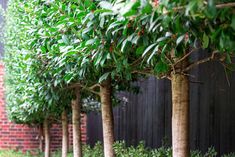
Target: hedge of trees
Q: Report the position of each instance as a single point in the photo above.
(60, 53)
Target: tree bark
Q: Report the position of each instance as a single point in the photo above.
(40, 137)
(76, 111)
(107, 118)
(47, 138)
(180, 115)
(65, 141)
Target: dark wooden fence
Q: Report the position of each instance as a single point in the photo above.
(147, 116)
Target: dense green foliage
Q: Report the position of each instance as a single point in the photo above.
(30, 97)
(122, 150)
(52, 46)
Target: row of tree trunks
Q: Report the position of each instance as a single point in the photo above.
(77, 146)
(107, 122)
(180, 120)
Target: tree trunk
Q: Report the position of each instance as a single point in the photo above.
(107, 118)
(47, 138)
(180, 115)
(76, 111)
(65, 142)
(40, 137)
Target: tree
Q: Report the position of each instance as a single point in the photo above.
(165, 35)
(31, 99)
(52, 42)
(101, 53)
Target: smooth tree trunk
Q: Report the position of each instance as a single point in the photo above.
(107, 118)
(76, 111)
(40, 137)
(65, 141)
(180, 115)
(47, 138)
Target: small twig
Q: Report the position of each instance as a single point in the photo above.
(184, 57)
(172, 65)
(192, 76)
(142, 72)
(226, 75)
(200, 82)
(136, 61)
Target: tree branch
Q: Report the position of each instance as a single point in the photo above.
(172, 65)
(184, 57)
(95, 86)
(218, 6)
(225, 5)
(90, 89)
(212, 57)
(197, 63)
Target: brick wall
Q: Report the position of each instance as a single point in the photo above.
(20, 137)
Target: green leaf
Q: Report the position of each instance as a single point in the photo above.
(43, 49)
(90, 42)
(205, 41)
(228, 59)
(233, 22)
(179, 39)
(104, 77)
(153, 53)
(161, 39)
(106, 5)
(161, 68)
(113, 25)
(124, 45)
(140, 50)
(190, 7)
(148, 49)
(68, 77)
(147, 9)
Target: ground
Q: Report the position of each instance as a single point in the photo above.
(12, 153)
